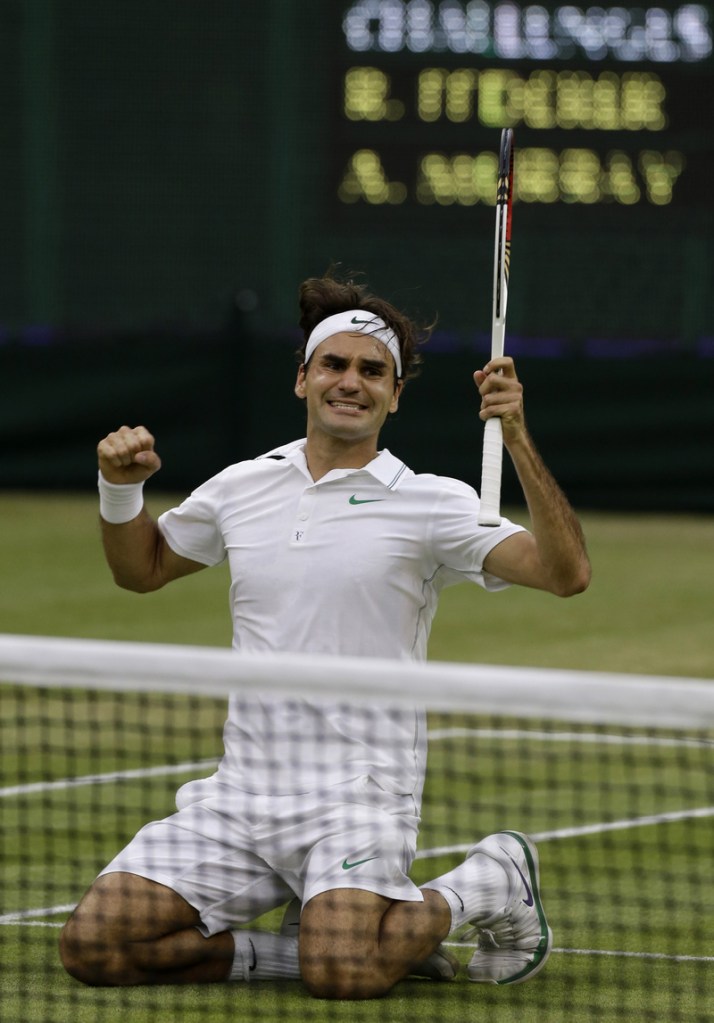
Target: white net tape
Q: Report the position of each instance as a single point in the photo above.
(578, 696)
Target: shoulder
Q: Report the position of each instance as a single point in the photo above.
(224, 484)
(226, 478)
(397, 476)
(451, 508)
(428, 485)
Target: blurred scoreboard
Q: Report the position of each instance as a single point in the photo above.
(608, 104)
(164, 171)
(613, 130)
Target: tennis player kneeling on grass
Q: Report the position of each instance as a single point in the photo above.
(334, 547)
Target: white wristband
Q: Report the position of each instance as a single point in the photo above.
(120, 502)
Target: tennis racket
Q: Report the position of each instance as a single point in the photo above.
(490, 510)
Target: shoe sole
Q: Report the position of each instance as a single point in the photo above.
(545, 943)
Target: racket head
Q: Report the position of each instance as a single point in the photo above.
(504, 218)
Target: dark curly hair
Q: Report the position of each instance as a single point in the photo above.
(321, 297)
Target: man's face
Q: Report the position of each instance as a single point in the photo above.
(349, 387)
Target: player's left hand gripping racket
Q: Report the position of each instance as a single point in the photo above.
(490, 510)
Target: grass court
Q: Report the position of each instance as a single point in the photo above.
(623, 818)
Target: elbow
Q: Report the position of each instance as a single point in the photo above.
(138, 575)
(136, 584)
(574, 583)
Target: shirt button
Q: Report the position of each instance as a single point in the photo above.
(303, 516)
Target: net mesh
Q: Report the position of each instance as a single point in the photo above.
(610, 775)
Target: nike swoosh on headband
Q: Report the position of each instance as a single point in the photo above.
(356, 321)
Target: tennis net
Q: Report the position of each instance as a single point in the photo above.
(611, 776)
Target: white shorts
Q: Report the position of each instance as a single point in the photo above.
(234, 855)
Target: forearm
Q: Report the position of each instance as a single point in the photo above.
(133, 553)
(559, 539)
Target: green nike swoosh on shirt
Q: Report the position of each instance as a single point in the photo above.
(348, 866)
(369, 500)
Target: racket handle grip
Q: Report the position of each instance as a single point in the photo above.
(490, 510)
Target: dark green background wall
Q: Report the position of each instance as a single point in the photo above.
(168, 177)
(618, 433)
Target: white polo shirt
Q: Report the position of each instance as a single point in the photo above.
(351, 564)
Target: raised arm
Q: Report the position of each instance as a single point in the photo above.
(136, 552)
(552, 556)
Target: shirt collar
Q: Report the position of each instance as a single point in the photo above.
(385, 468)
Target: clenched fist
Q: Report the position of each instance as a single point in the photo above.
(128, 455)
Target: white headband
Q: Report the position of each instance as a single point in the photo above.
(355, 321)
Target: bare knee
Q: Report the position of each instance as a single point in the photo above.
(325, 977)
(116, 927)
(92, 941)
(86, 955)
(355, 944)
(339, 957)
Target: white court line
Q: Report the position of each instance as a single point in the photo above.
(32, 788)
(587, 829)
(605, 739)
(634, 955)
(607, 952)
(24, 916)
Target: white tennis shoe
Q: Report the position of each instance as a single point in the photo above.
(515, 941)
